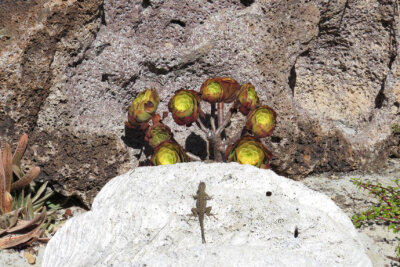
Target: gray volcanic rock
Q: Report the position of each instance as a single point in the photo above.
(329, 69)
(141, 218)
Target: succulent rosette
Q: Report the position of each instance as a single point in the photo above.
(185, 106)
(231, 88)
(157, 134)
(261, 121)
(247, 98)
(249, 150)
(143, 107)
(211, 91)
(168, 152)
(219, 89)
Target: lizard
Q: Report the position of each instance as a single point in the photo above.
(201, 207)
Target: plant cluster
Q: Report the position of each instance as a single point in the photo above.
(244, 147)
(388, 209)
(396, 128)
(22, 214)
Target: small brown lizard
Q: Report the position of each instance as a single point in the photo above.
(201, 207)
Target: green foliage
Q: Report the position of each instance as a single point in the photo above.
(388, 209)
(396, 128)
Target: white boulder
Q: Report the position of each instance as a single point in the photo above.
(141, 219)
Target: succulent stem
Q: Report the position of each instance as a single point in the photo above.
(220, 113)
(225, 122)
(192, 156)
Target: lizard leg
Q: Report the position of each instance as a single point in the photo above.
(208, 212)
(193, 214)
(208, 197)
(195, 196)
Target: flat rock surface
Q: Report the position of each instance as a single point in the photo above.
(141, 217)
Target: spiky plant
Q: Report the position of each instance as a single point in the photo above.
(20, 220)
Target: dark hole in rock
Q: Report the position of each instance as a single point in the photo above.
(104, 77)
(146, 3)
(268, 193)
(276, 139)
(385, 23)
(179, 22)
(380, 98)
(292, 78)
(296, 232)
(247, 2)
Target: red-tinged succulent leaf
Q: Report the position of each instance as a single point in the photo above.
(230, 88)
(211, 91)
(27, 179)
(185, 106)
(143, 107)
(20, 151)
(2, 185)
(157, 134)
(24, 224)
(156, 118)
(8, 202)
(247, 98)
(18, 240)
(249, 150)
(7, 165)
(168, 152)
(261, 121)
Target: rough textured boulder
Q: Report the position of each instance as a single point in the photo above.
(70, 69)
(141, 218)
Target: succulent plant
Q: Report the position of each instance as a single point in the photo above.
(230, 87)
(20, 221)
(157, 134)
(185, 107)
(143, 108)
(21, 227)
(249, 150)
(219, 89)
(211, 91)
(247, 98)
(168, 152)
(261, 121)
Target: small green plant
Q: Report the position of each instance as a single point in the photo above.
(396, 128)
(388, 209)
(244, 146)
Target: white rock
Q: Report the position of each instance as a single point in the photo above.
(140, 218)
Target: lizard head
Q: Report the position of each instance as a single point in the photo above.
(202, 186)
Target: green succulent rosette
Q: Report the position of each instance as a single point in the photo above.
(143, 107)
(219, 89)
(157, 134)
(185, 106)
(211, 91)
(261, 121)
(247, 98)
(168, 152)
(249, 150)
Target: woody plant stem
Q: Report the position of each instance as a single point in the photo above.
(217, 146)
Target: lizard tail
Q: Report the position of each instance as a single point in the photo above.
(203, 238)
